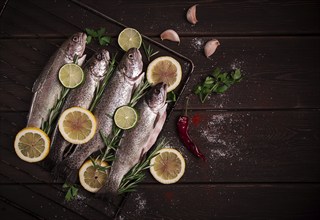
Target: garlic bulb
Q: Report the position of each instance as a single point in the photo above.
(191, 15)
(170, 35)
(211, 47)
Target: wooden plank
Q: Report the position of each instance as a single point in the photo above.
(37, 205)
(218, 17)
(275, 75)
(47, 202)
(225, 201)
(241, 146)
(8, 210)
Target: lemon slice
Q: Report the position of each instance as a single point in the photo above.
(125, 117)
(77, 125)
(165, 69)
(168, 166)
(129, 38)
(71, 75)
(32, 144)
(92, 178)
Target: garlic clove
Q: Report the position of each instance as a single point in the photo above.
(170, 35)
(191, 14)
(211, 47)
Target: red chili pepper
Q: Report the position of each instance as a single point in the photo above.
(183, 126)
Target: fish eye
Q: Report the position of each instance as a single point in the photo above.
(157, 91)
(75, 39)
(130, 56)
(99, 56)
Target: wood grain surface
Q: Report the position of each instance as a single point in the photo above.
(261, 138)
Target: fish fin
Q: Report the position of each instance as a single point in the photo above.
(162, 115)
(82, 59)
(113, 201)
(31, 111)
(66, 172)
(139, 79)
(37, 85)
(158, 125)
(48, 163)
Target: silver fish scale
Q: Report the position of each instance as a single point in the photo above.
(118, 93)
(81, 96)
(132, 145)
(47, 88)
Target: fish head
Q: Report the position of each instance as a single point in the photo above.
(157, 96)
(75, 46)
(99, 63)
(131, 64)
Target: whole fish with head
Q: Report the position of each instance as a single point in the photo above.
(137, 141)
(95, 70)
(47, 87)
(127, 76)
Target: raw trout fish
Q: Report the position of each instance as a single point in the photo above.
(47, 87)
(95, 69)
(127, 76)
(138, 140)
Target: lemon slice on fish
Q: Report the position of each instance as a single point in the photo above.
(125, 117)
(165, 69)
(168, 166)
(32, 144)
(93, 178)
(71, 75)
(77, 125)
(129, 38)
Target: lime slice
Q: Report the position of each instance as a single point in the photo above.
(168, 166)
(129, 38)
(125, 117)
(71, 75)
(92, 178)
(77, 125)
(165, 69)
(32, 144)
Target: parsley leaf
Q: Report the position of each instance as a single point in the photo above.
(218, 82)
(98, 35)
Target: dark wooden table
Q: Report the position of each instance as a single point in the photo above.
(261, 138)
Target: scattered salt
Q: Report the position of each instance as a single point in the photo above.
(197, 43)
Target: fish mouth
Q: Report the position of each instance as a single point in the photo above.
(157, 96)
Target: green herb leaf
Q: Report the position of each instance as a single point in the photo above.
(171, 97)
(148, 51)
(136, 174)
(72, 191)
(89, 38)
(218, 82)
(98, 35)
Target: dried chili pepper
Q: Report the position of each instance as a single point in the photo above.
(183, 126)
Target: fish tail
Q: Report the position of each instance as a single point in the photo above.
(58, 147)
(113, 201)
(48, 163)
(66, 170)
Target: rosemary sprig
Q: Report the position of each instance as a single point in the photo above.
(130, 181)
(100, 89)
(46, 126)
(139, 92)
(54, 111)
(148, 51)
(112, 141)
